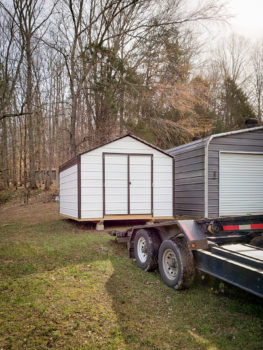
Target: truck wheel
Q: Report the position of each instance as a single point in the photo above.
(146, 250)
(176, 264)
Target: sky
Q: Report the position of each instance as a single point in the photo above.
(248, 20)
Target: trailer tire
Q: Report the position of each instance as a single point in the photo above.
(146, 250)
(176, 264)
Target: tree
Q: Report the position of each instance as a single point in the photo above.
(257, 78)
(234, 108)
(29, 17)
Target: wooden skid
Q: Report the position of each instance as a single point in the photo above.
(121, 217)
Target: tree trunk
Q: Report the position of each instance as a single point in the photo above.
(5, 154)
(29, 97)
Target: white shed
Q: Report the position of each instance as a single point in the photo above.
(124, 179)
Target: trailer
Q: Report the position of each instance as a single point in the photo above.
(229, 248)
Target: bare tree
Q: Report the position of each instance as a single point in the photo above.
(29, 17)
(257, 78)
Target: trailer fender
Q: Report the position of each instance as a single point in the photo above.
(194, 234)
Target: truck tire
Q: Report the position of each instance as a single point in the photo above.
(146, 250)
(176, 264)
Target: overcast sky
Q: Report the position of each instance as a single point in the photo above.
(248, 20)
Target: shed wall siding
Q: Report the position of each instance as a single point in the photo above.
(68, 191)
(243, 142)
(189, 179)
(92, 178)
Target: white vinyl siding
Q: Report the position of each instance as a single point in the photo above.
(92, 178)
(241, 184)
(68, 192)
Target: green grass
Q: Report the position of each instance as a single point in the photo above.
(62, 287)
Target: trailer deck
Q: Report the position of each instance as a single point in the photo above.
(238, 264)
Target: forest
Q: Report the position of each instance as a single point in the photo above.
(75, 74)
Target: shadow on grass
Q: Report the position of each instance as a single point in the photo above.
(149, 315)
(153, 316)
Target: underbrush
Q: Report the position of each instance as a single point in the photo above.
(24, 196)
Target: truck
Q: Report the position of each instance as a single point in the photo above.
(229, 248)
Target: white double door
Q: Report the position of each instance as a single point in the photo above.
(127, 184)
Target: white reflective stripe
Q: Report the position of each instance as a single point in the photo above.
(244, 227)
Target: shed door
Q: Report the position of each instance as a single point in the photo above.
(241, 184)
(115, 184)
(140, 184)
(127, 184)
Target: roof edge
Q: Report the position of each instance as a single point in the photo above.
(116, 139)
(209, 138)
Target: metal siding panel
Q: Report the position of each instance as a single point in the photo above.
(237, 144)
(190, 167)
(189, 155)
(239, 147)
(241, 184)
(189, 181)
(189, 187)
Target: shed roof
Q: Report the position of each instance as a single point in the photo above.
(73, 160)
(209, 138)
(132, 136)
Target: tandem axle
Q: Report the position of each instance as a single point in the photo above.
(230, 249)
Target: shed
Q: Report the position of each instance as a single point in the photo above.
(220, 175)
(125, 179)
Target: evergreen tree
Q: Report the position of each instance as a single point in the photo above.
(234, 107)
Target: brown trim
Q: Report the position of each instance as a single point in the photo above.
(119, 217)
(127, 154)
(135, 138)
(79, 186)
(103, 183)
(65, 165)
(152, 184)
(128, 184)
(125, 216)
(173, 185)
(68, 164)
(59, 193)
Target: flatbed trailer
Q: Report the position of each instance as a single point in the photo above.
(230, 249)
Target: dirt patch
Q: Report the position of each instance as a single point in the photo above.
(33, 213)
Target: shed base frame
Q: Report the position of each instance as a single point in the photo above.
(121, 217)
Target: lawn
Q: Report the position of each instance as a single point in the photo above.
(66, 286)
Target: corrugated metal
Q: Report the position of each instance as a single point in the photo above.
(189, 178)
(248, 141)
(241, 184)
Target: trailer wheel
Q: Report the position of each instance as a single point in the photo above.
(176, 264)
(146, 250)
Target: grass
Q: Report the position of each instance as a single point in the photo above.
(64, 287)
